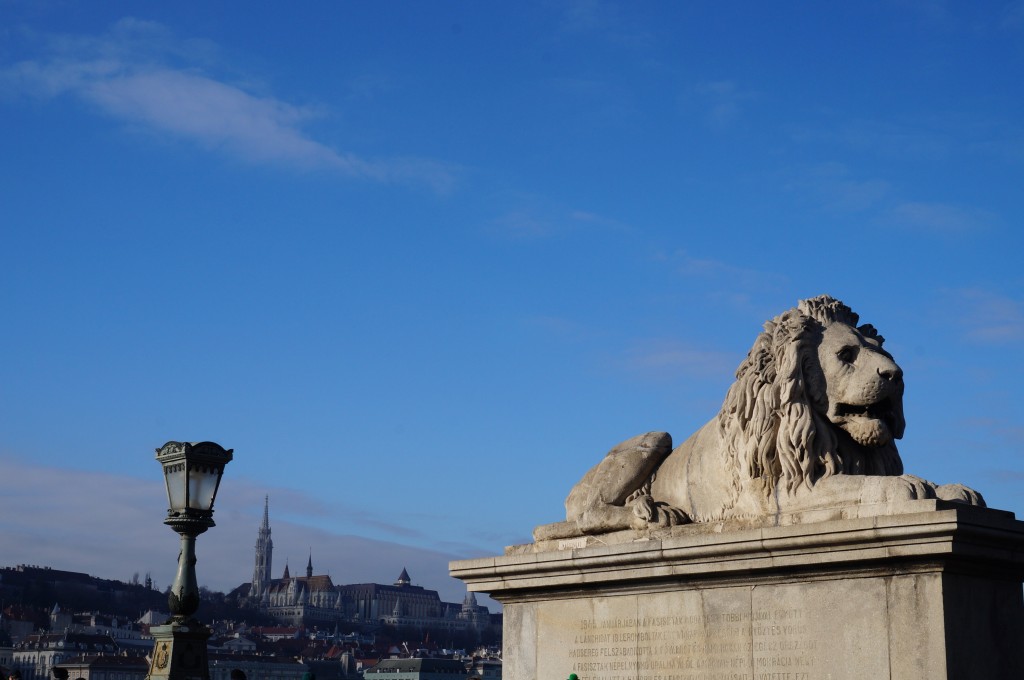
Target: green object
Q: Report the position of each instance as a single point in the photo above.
(573, 676)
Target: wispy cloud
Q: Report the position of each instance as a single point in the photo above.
(722, 100)
(987, 317)
(524, 224)
(722, 284)
(669, 360)
(722, 272)
(1011, 433)
(942, 218)
(833, 187)
(584, 16)
(886, 138)
(645, 358)
(935, 136)
(303, 509)
(559, 326)
(936, 11)
(540, 221)
(139, 74)
(599, 17)
(1012, 17)
(111, 526)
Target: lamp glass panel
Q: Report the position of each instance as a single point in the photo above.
(202, 485)
(175, 480)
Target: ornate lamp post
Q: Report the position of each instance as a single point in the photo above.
(192, 473)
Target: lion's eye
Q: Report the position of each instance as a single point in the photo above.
(847, 354)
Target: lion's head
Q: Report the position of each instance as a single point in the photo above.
(816, 396)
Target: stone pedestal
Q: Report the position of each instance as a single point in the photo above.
(179, 652)
(932, 591)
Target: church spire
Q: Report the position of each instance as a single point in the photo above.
(309, 565)
(264, 555)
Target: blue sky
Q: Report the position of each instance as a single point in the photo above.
(422, 264)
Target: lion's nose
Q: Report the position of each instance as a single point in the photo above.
(892, 374)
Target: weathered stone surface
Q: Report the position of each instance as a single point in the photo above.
(933, 591)
(809, 424)
(783, 632)
(782, 541)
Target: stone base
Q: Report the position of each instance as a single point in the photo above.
(932, 594)
(179, 652)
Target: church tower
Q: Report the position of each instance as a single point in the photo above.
(264, 554)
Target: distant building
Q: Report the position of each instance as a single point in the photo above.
(486, 669)
(24, 574)
(94, 667)
(255, 667)
(17, 623)
(275, 633)
(39, 653)
(153, 618)
(416, 669)
(264, 558)
(238, 644)
(314, 600)
(6, 653)
(93, 623)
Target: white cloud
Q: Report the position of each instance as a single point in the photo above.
(559, 326)
(986, 317)
(834, 188)
(670, 360)
(1012, 17)
(929, 140)
(936, 11)
(1010, 433)
(135, 73)
(837, 191)
(598, 17)
(112, 526)
(523, 224)
(724, 273)
(722, 100)
(938, 217)
(540, 221)
(585, 16)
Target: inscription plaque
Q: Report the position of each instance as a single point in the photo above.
(786, 632)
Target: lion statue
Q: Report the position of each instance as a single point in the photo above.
(811, 422)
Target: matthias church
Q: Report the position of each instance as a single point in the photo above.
(314, 600)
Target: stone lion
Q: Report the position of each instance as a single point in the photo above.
(810, 423)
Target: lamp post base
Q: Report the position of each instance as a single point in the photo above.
(179, 652)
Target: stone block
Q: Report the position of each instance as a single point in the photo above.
(929, 594)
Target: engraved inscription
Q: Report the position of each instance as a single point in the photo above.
(823, 630)
(763, 644)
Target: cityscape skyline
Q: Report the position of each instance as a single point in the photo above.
(224, 553)
(422, 265)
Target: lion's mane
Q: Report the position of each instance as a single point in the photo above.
(772, 419)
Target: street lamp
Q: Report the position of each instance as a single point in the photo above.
(192, 474)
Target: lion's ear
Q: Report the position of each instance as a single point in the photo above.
(868, 331)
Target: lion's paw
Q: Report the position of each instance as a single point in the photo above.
(911, 487)
(959, 494)
(644, 509)
(901, 488)
(651, 512)
(670, 516)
